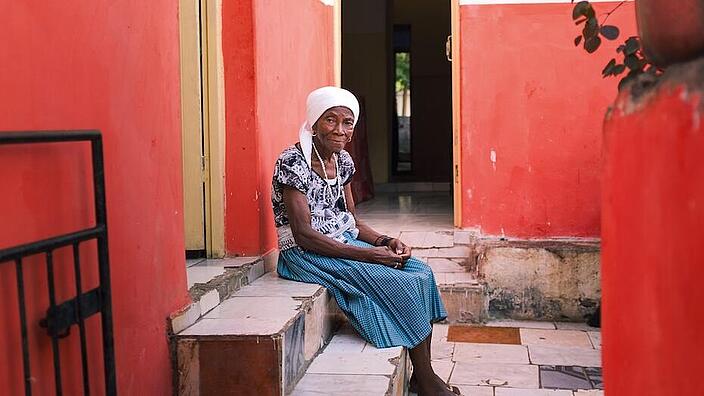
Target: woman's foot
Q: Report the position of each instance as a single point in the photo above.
(440, 387)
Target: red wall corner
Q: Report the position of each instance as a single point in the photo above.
(652, 233)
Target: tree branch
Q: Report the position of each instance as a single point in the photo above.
(608, 14)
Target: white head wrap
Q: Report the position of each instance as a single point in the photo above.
(319, 101)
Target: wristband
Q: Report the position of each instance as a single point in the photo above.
(382, 240)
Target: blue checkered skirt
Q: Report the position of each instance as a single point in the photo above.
(388, 307)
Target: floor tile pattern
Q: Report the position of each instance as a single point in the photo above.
(493, 369)
(570, 377)
(484, 334)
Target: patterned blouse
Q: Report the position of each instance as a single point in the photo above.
(329, 216)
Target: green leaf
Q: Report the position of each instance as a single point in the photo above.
(577, 40)
(620, 48)
(583, 8)
(610, 32)
(609, 67)
(632, 62)
(591, 29)
(581, 21)
(592, 44)
(618, 69)
(632, 46)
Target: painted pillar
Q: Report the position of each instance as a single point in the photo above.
(530, 118)
(112, 66)
(652, 233)
(274, 55)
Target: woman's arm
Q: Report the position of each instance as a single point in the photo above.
(312, 240)
(367, 234)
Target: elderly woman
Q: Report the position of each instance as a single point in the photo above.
(389, 297)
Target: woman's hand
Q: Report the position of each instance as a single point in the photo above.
(386, 256)
(400, 248)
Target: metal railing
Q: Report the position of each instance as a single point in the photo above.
(60, 317)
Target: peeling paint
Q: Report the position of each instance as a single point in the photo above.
(492, 157)
(540, 280)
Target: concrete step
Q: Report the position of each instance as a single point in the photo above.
(211, 282)
(450, 255)
(464, 296)
(482, 278)
(548, 280)
(257, 342)
(350, 366)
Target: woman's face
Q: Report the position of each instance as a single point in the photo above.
(335, 128)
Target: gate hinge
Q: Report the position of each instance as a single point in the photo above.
(60, 318)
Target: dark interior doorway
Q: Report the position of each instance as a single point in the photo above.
(401, 148)
(380, 40)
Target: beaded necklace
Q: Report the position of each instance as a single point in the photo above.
(327, 188)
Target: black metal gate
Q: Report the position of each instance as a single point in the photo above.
(60, 317)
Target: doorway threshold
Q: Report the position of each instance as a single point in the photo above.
(412, 187)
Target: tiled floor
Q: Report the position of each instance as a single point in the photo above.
(549, 362)
(393, 213)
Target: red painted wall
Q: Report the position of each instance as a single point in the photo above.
(535, 100)
(113, 66)
(285, 51)
(652, 256)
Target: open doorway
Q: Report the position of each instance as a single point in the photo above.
(394, 57)
(202, 128)
(401, 154)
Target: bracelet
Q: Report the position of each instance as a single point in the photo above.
(385, 239)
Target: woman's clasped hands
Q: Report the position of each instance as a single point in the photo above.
(394, 255)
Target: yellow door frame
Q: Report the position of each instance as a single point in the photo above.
(214, 116)
(211, 112)
(191, 126)
(337, 39)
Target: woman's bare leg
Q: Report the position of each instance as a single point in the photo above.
(413, 383)
(427, 382)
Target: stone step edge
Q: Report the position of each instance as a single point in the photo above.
(306, 304)
(397, 380)
(206, 296)
(398, 383)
